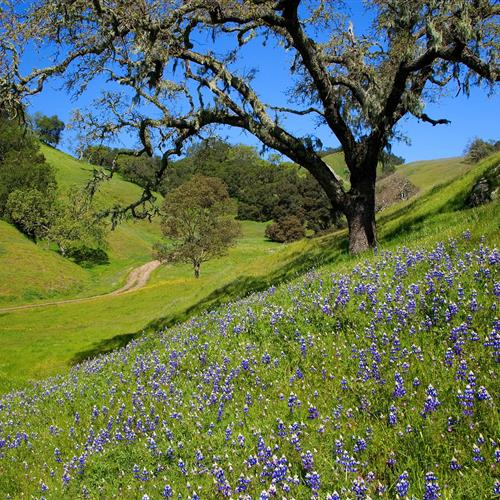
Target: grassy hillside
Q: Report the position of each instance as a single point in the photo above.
(45, 341)
(424, 174)
(29, 271)
(55, 277)
(429, 173)
(52, 338)
(370, 378)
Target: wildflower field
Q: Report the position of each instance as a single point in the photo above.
(382, 380)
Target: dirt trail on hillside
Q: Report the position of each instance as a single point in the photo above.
(136, 279)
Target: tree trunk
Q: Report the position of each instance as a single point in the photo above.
(196, 266)
(361, 223)
(360, 213)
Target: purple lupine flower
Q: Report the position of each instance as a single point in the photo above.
(482, 394)
(243, 483)
(359, 488)
(313, 413)
(360, 445)
(167, 491)
(477, 457)
(431, 487)
(182, 466)
(333, 496)
(431, 402)
(496, 488)
(313, 480)
(307, 460)
(461, 370)
(399, 390)
(466, 400)
(454, 465)
(392, 418)
(402, 485)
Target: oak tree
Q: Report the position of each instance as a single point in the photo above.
(48, 128)
(198, 221)
(174, 68)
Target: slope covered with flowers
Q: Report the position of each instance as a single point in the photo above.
(380, 381)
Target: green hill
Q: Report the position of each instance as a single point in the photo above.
(372, 375)
(54, 277)
(429, 173)
(424, 174)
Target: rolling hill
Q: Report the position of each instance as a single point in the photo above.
(54, 277)
(424, 174)
(368, 376)
(47, 340)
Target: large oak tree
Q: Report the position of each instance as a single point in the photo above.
(173, 69)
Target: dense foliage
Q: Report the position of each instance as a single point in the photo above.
(22, 165)
(286, 229)
(48, 128)
(478, 149)
(379, 381)
(198, 222)
(264, 190)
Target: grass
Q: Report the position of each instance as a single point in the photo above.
(430, 173)
(31, 272)
(372, 375)
(45, 341)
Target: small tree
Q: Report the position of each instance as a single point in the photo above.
(48, 128)
(287, 229)
(76, 223)
(31, 211)
(478, 149)
(198, 218)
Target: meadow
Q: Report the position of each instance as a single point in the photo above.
(378, 379)
(46, 341)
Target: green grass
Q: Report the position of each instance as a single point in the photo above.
(424, 174)
(430, 173)
(30, 272)
(303, 367)
(45, 341)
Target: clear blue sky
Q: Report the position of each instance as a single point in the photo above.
(477, 115)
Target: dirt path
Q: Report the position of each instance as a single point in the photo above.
(137, 278)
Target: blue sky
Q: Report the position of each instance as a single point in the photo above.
(476, 116)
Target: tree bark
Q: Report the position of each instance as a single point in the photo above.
(360, 210)
(196, 267)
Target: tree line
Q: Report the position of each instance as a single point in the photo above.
(264, 190)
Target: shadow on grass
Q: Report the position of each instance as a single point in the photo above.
(104, 347)
(326, 250)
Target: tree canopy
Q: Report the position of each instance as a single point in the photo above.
(48, 128)
(198, 219)
(22, 165)
(176, 64)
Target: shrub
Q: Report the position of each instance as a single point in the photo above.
(478, 149)
(285, 230)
